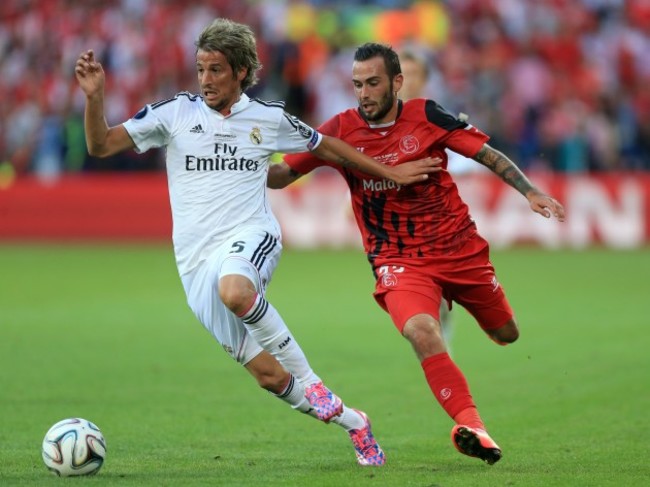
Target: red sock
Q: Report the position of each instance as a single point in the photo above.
(470, 417)
(450, 388)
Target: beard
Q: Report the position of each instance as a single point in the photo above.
(218, 105)
(383, 107)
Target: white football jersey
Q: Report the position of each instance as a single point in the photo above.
(217, 166)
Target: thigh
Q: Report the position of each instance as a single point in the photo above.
(471, 281)
(253, 254)
(202, 290)
(404, 291)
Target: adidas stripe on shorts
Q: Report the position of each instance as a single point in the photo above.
(254, 254)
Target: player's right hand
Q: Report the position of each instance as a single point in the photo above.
(415, 171)
(89, 73)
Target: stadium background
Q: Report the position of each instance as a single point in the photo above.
(560, 85)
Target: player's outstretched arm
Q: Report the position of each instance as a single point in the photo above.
(281, 175)
(101, 140)
(507, 170)
(340, 152)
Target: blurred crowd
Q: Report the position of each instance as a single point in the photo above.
(558, 84)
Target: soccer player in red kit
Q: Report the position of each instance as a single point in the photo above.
(421, 242)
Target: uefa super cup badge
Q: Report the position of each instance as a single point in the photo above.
(256, 136)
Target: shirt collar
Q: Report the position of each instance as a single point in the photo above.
(243, 102)
(400, 105)
(238, 106)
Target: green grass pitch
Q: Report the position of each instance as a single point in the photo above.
(103, 332)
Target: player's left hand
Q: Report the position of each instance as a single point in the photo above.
(415, 171)
(545, 205)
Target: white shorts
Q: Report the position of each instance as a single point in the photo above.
(253, 254)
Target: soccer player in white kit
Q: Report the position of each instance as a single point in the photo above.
(226, 240)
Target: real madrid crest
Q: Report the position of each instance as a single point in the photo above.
(256, 136)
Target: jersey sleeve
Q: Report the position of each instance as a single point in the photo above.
(296, 136)
(306, 162)
(148, 128)
(462, 137)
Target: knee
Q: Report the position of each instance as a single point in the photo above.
(236, 292)
(424, 334)
(420, 330)
(508, 333)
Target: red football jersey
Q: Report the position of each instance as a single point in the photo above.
(426, 218)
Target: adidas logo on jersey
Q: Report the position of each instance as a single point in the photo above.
(197, 129)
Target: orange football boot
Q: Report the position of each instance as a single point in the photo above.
(476, 443)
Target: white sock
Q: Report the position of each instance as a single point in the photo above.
(267, 328)
(349, 419)
(294, 395)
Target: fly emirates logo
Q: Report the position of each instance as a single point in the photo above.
(225, 159)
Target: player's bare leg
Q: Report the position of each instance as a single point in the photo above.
(425, 335)
(265, 325)
(283, 369)
(506, 334)
(271, 376)
(450, 388)
(446, 324)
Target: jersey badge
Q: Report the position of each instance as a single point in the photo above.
(197, 129)
(140, 115)
(312, 142)
(389, 280)
(495, 284)
(409, 144)
(225, 137)
(388, 275)
(256, 136)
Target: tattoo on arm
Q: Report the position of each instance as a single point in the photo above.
(503, 167)
(346, 163)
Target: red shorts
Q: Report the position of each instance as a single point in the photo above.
(408, 287)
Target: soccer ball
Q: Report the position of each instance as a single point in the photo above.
(73, 447)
